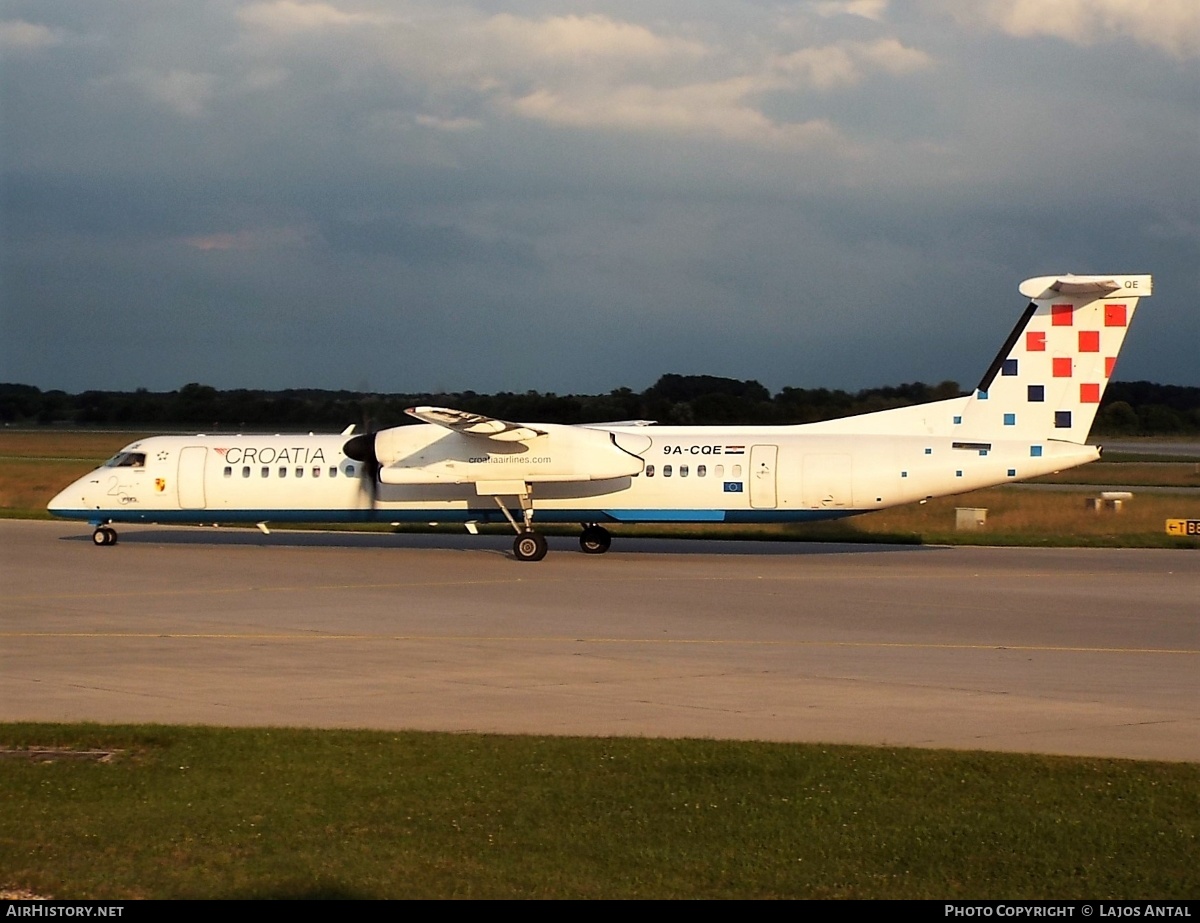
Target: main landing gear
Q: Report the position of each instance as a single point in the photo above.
(595, 539)
(104, 535)
(530, 546)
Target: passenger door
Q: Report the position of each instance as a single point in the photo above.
(189, 478)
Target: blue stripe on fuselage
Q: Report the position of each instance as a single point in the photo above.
(125, 514)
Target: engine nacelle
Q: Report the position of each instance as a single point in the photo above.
(432, 455)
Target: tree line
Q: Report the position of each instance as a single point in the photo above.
(1128, 408)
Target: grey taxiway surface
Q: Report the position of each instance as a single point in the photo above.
(1044, 650)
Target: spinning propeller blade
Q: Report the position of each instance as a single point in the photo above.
(362, 449)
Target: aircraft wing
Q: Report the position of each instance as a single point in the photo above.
(473, 424)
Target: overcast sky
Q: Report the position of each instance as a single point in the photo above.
(579, 196)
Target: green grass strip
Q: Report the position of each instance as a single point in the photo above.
(210, 813)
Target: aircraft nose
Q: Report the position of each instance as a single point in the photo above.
(61, 500)
(58, 502)
(74, 497)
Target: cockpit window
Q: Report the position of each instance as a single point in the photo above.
(127, 460)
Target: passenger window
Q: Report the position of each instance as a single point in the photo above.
(283, 472)
(246, 471)
(737, 471)
(228, 471)
(349, 471)
(701, 470)
(683, 470)
(666, 471)
(299, 472)
(332, 471)
(266, 472)
(649, 471)
(720, 472)
(316, 472)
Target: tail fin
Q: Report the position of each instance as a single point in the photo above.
(1047, 380)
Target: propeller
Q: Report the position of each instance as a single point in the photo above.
(362, 449)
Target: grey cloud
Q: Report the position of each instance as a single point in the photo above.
(362, 200)
(419, 243)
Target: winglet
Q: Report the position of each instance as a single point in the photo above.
(473, 424)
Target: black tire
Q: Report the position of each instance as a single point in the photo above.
(529, 546)
(104, 536)
(595, 540)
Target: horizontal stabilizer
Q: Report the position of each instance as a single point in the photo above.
(473, 424)
(1045, 287)
(1070, 287)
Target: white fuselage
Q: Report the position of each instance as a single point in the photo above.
(715, 474)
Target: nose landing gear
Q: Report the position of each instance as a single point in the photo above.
(104, 535)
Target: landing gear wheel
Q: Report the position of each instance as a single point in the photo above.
(594, 540)
(104, 536)
(529, 546)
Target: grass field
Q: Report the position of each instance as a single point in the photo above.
(1135, 474)
(205, 813)
(1028, 517)
(35, 465)
(81, 445)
